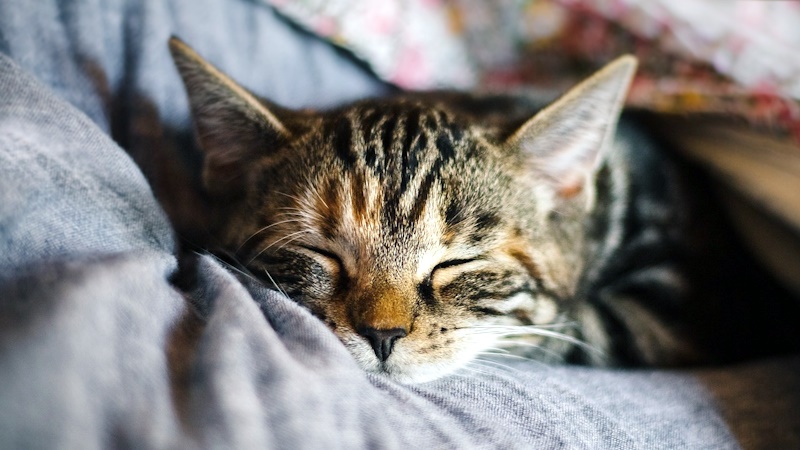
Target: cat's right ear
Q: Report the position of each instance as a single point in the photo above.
(233, 126)
(564, 144)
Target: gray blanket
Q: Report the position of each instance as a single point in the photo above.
(99, 349)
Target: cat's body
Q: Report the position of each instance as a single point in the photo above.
(427, 229)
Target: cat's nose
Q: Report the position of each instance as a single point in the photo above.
(382, 340)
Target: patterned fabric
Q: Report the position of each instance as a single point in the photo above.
(410, 43)
(710, 56)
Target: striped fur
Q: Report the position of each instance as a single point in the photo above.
(428, 229)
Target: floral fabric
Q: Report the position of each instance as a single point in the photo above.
(737, 58)
(410, 43)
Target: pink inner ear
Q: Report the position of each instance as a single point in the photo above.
(564, 143)
(566, 156)
(571, 189)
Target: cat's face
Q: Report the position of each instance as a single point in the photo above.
(419, 235)
(403, 230)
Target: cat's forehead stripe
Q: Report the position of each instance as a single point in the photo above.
(359, 197)
(342, 132)
(409, 161)
(403, 144)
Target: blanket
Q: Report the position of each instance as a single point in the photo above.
(101, 346)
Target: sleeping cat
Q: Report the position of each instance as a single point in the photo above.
(427, 229)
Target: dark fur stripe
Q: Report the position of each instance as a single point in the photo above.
(343, 141)
(369, 121)
(411, 130)
(387, 135)
(445, 145)
(358, 195)
(422, 196)
(453, 214)
(621, 341)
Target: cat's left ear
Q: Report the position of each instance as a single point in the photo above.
(234, 127)
(563, 144)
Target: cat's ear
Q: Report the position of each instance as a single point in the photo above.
(563, 144)
(233, 125)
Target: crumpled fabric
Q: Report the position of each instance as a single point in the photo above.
(102, 347)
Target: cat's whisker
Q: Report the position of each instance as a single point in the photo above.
(300, 202)
(535, 361)
(533, 329)
(241, 269)
(261, 230)
(302, 219)
(473, 369)
(275, 283)
(297, 199)
(513, 329)
(542, 326)
(556, 355)
(306, 215)
(502, 353)
(294, 208)
(288, 236)
(497, 349)
(486, 369)
(244, 271)
(495, 364)
(316, 192)
(291, 240)
(505, 331)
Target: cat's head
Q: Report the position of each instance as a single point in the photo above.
(420, 235)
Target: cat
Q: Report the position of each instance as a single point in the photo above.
(427, 229)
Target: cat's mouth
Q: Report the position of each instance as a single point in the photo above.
(413, 361)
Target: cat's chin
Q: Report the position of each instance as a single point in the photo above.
(408, 366)
(407, 371)
(414, 374)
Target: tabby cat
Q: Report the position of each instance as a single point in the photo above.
(427, 229)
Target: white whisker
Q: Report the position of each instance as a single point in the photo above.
(570, 324)
(515, 357)
(291, 240)
(275, 283)
(297, 199)
(240, 270)
(496, 364)
(502, 353)
(245, 272)
(505, 331)
(316, 192)
(288, 236)
(472, 369)
(264, 229)
(305, 214)
(556, 355)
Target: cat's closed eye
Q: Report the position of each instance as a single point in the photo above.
(452, 263)
(448, 270)
(331, 260)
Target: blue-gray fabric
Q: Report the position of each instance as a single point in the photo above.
(99, 349)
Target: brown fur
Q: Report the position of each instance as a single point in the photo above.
(399, 214)
(424, 235)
